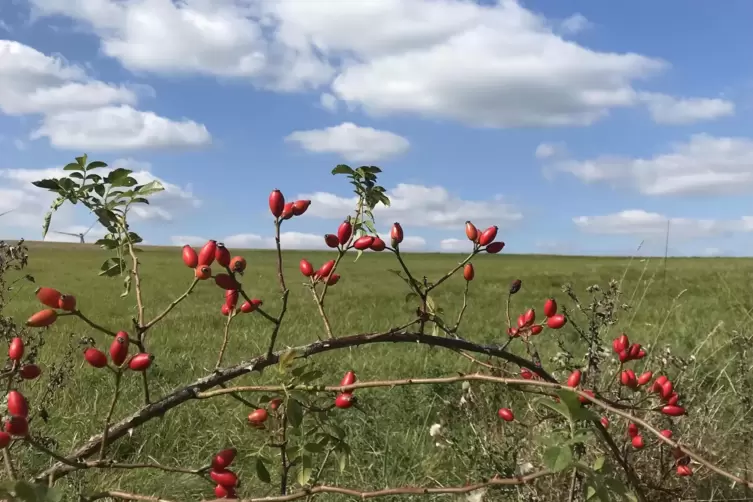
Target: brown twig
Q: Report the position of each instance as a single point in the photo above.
(136, 283)
(322, 312)
(350, 492)
(225, 339)
(115, 395)
(94, 325)
(188, 392)
(482, 378)
(283, 290)
(170, 307)
(453, 271)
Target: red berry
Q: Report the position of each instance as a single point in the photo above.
(684, 470)
(119, 348)
(585, 400)
(222, 255)
(4, 439)
(42, 318)
(487, 236)
(624, 356)
(673, 410)
(344, 232)
(222, 492)
(638, 442)
(634, 350)
(333, 279)
(275, 403)
(513, 332)
(378, 245)
(224, 458)
(287, 211)
(521, 320)
(258, 417)
(190, 258)
(238, 264)
(95, 357)
(247, 307)
(300, 207)
(396, 234)
(225, 309)
(468, 272)
(526, 374)
(48, 296)
(29, 371)
(574, 379)
(627, 378)
(67, 303)
(556, 321)
(363, 243)
(666, 390)
(673, 399)
(506, 414)
(307, 269)
(348, 379)
(529, 317)
(620, 343)
(536, 329)
(140, 362)
(645, 378)
(550, 307)
(16, 349)
(471, 231)
(276, 203)
(331, 240)
(495, 247)
(17, 404)
(344, 400)
(641, 354)
(203, 272)
(231, 298)
(17, 426)
(632, 430)
(226, 282)
(604, 422)
(325, 269)
(207, 253)
(224, 477)
(656, 386)
(667, 433)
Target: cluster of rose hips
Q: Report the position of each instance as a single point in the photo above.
(17, 423)
(286, 210)
(323, 273)
(202, 261)
(484, 239)
(526, 321)
(55, 300)
(226, 479)
(342, 240)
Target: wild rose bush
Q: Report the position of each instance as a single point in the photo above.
(605, 419)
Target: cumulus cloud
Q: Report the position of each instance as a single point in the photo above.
(550, 150)
(79, 112)
(498, 65)
(119, 128)
(666, 109)
(637, 222)
(420, 206)
(704, 164)
(352, 142)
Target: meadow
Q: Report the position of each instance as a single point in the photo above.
(695, 306)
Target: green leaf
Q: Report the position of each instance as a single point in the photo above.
(286, 360)
(339, 431)
(111, 267)
(557, 458)
(304, 473)
(590, 492)
(261, 471)
(599, 463)
(117, 174)
(560, 408)
(311, 376)
(96, 165)
(99, 190)
(150, 188)
(78, 176)
(126, 286)
(73, 166)
(82, 160)
(46, 224)
(49, 184)
(54, 495)
(313, 448)
(295, 413)
(25, 491)
(343, 169)
(577, 410)
(107, 243)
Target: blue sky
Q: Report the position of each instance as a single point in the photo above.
(577, 127)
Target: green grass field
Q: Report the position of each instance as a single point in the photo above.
(677, 305)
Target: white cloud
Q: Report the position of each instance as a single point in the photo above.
(119, 128)
(29, 203)
(703, 165)
(191, 240)
(574, 24)
(666, 109)
(328, 102)
(455, 245)
(32, 82)
(19, 144)
(550, 150)
(352, 142)
(651, 225)
(420, 206)
(495, 65)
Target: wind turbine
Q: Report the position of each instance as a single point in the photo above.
(79, 235)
